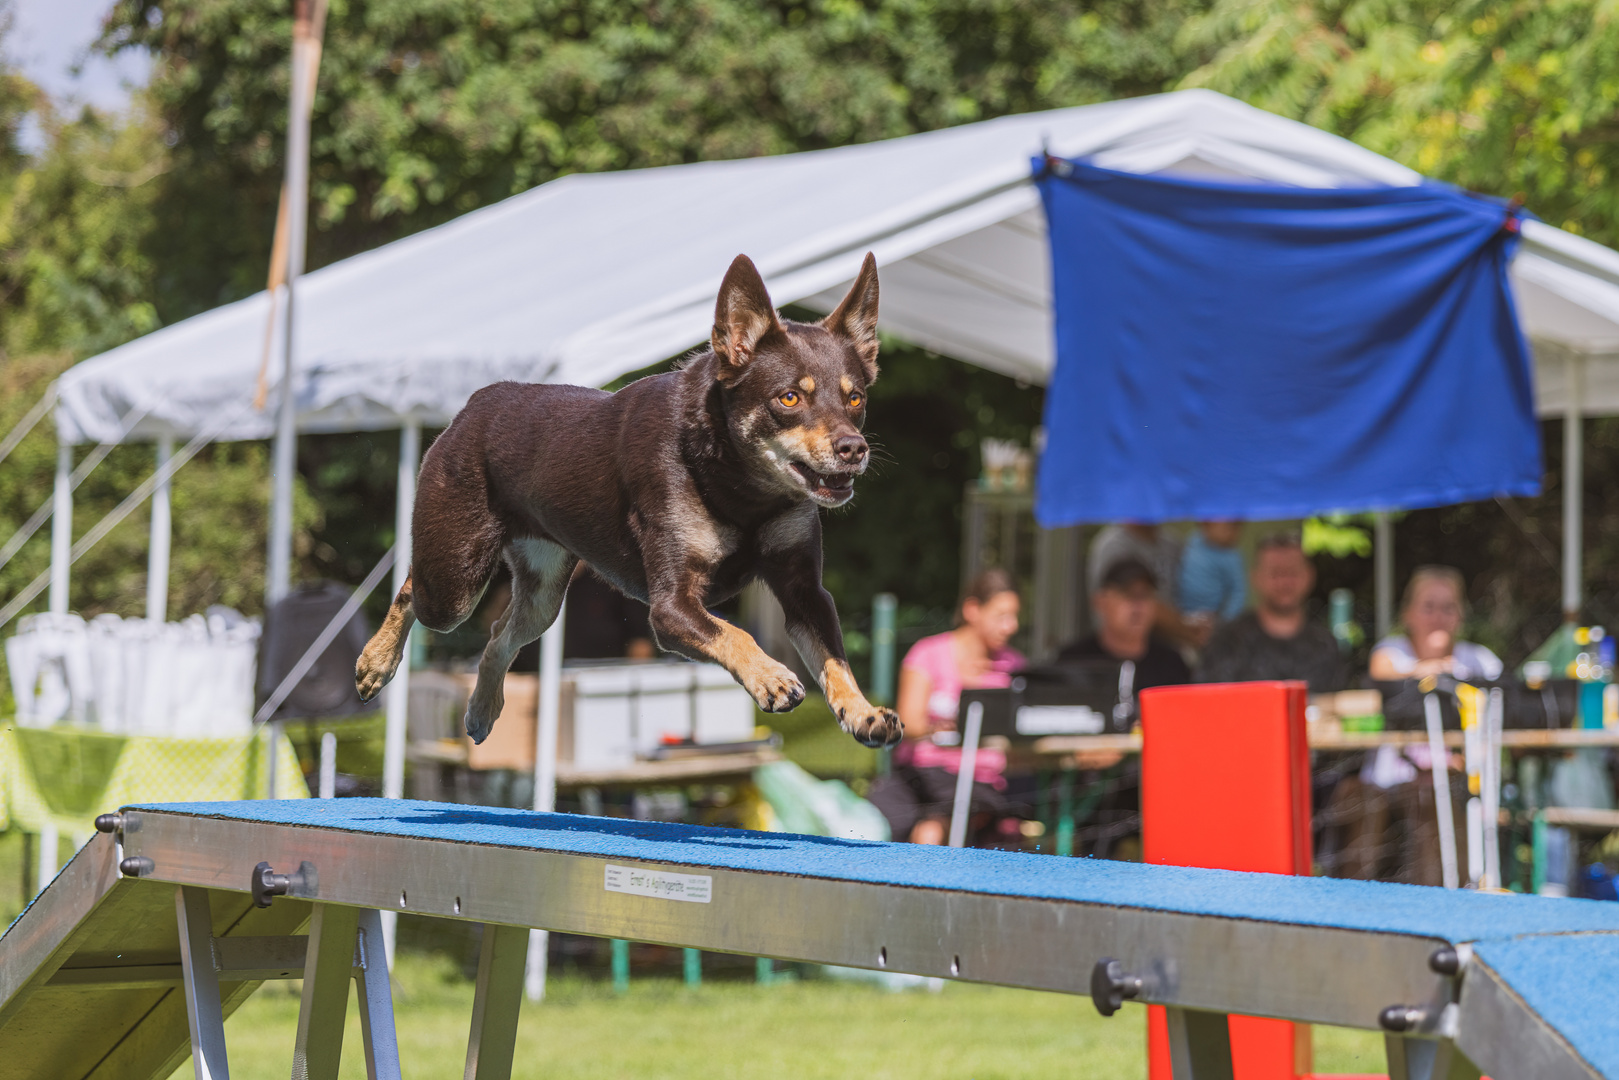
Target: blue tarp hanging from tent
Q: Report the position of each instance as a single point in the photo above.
(1260, 352)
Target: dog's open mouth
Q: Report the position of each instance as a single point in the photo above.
(829, 486)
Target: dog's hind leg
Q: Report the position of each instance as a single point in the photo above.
(382, 653)
(541, 571)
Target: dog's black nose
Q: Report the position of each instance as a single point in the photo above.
(851, 449)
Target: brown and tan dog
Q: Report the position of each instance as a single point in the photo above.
(679, 489)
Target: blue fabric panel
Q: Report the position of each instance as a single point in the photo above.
(1359, 905)
(1261, 352)
(1572, 983)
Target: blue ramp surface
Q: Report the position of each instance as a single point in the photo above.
(1572, 983)
(1453, 916)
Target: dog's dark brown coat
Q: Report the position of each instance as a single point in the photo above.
(679, 490)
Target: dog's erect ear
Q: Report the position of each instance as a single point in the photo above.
(742, 316)
(856, 317)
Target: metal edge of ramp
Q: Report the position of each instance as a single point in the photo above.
(1493, 1022)
(92, 921)
(41, 938)
(1317, 974)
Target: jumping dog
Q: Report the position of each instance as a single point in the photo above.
(678, 490)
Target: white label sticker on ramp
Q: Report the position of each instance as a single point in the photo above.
(692, 888)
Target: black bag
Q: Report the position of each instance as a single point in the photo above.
(290, 627)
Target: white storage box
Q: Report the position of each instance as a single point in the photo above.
(622, 712)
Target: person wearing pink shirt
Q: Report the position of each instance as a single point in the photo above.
(917, 795)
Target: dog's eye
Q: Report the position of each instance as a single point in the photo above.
(856, 400)
(790, 398)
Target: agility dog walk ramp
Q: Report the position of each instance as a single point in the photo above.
(153, 933)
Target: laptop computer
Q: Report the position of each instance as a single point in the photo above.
(1068, 699)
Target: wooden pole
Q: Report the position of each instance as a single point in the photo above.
(309, 17)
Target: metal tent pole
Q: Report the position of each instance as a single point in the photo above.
(545, 776)
(393, 755)
(305, 57)
(1383, 570)
(1573, 486)
(62, 529)
(397, 730)
(157, 558)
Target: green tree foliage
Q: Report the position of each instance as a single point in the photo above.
(76, 277)
(1503, 98)
(73, 269)
(429, 108)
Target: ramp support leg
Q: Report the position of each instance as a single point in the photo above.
(376, 1001)
(496, 1001)
(328, 967)
(1199, 1045)
(204, 1013)
(1427, 1059)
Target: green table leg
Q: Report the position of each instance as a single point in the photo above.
(1537, 868)
(694, 967)
(1065, 813)
(764, 970)
(621, 966)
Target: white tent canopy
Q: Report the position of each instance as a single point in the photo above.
(589, 277)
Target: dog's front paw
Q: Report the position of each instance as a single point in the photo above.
(775, 688)
(374, 669)
(872, 725)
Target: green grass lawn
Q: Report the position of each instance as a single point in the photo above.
(728, 1029)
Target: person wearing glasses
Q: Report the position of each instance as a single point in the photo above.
(1432, 616)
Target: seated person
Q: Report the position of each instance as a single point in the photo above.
(1275, 640)
(1432, 615)
(1389, 807)
(1212, 589)
(1126, 605)
(917, 796)
(1161, 554)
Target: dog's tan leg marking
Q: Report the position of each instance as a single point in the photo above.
(773, 685)
(868, 723)
(382, 653)
(541, 572)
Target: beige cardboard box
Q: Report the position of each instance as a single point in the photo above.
(511, 744)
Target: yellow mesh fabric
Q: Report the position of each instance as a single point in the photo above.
(65, 776)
